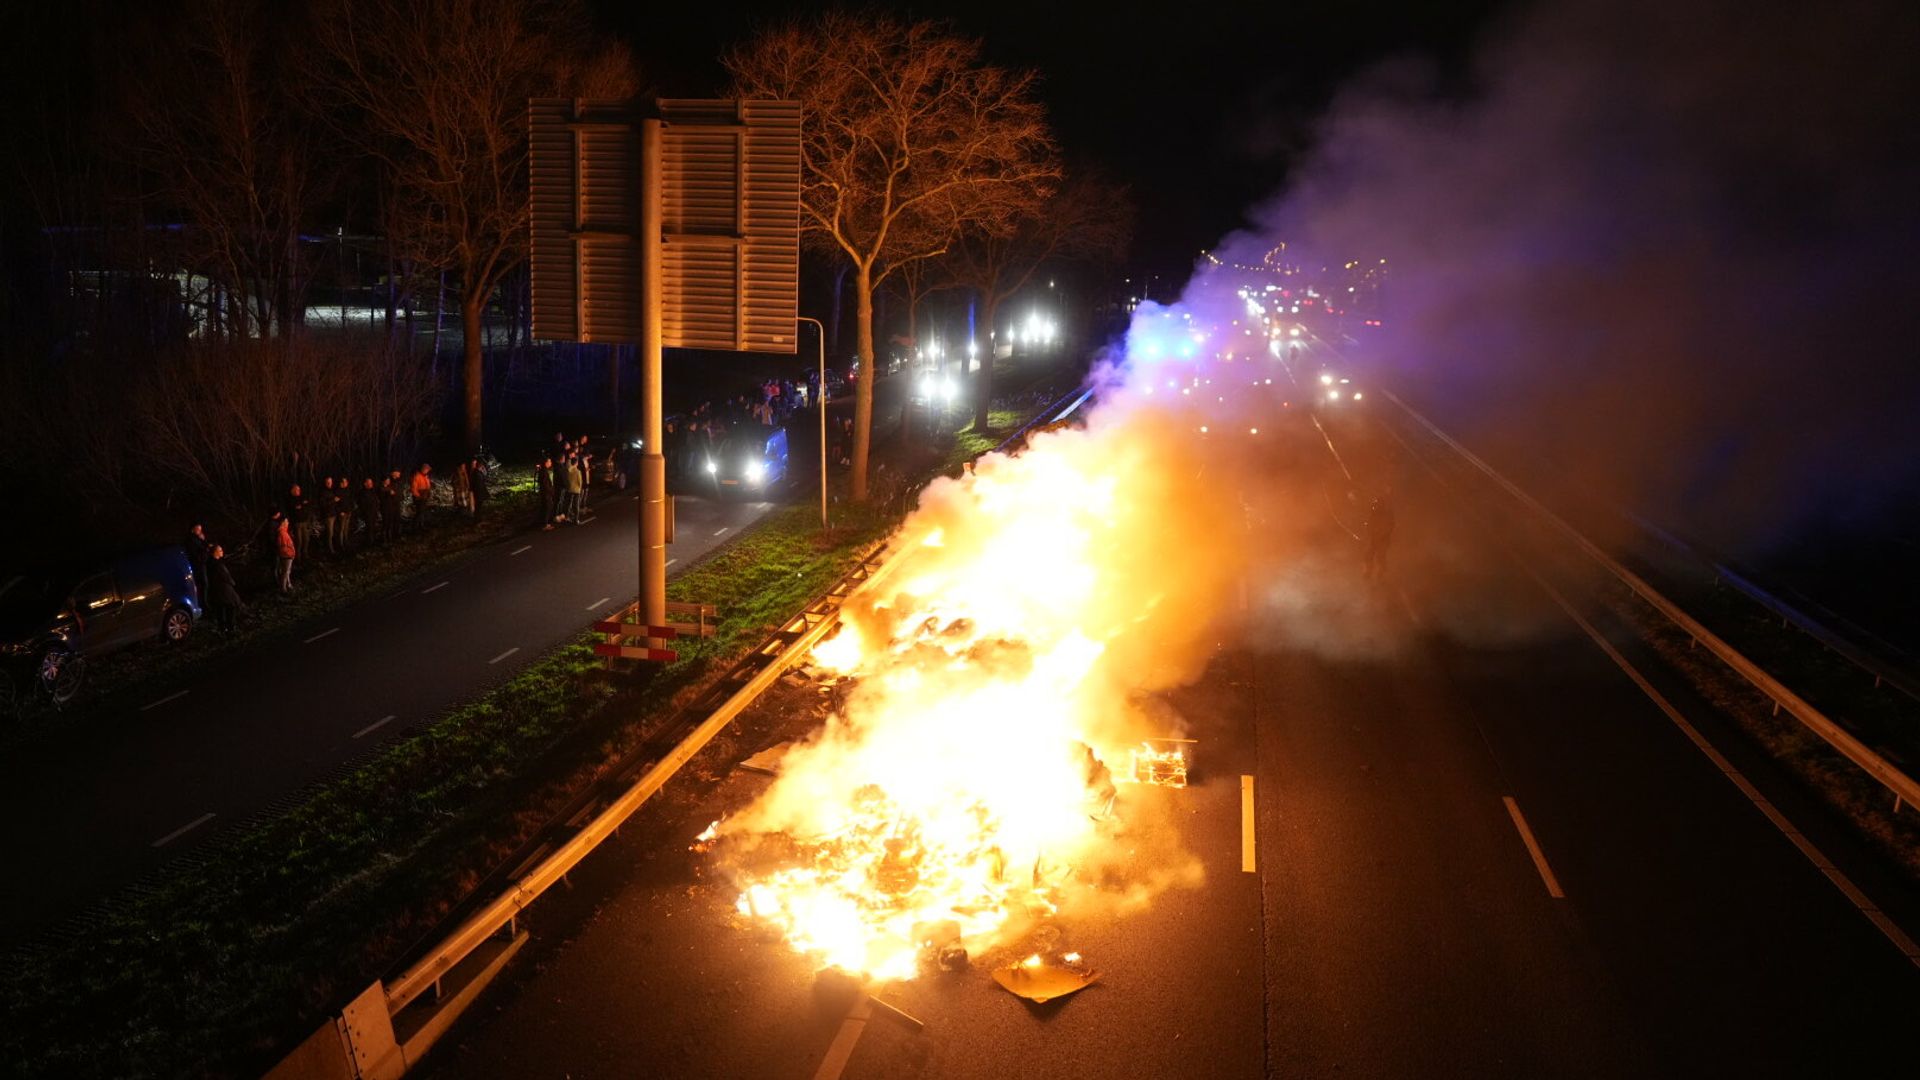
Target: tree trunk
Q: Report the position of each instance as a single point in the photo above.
(475, 362)
(984, 406)
(863, 390)
(833, 316)
(439, 316)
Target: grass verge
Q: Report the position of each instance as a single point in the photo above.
(217, 964)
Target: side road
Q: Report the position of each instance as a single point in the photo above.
(89, 815)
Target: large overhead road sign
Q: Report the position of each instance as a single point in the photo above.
(729, 205)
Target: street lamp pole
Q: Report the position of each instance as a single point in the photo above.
(820, 395)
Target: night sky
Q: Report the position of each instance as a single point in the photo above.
(1202, 109)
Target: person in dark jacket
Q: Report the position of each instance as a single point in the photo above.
(477, 476)
(543, 479)
(299, 514)
(1379, 534)
(225, 597)
(343, 513)
(196, 545)
(390, 496)
(327, 512)
(368, 499)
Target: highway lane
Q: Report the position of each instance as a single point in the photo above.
(252, 730)
(1482, 851)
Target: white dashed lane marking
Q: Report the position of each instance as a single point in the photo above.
(373, 727)
(1533, 848)
(175, 696)
(504, 655)
(517, 551)
(433, 588)
(321, 634)
(183, 830)
(598, 602)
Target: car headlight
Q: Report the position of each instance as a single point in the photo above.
(755, 470)
(946, 389)
(712, 466)
(926, 388)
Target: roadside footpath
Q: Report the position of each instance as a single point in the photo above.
(211, 965)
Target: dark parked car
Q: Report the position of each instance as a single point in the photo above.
(750, 458)
(49, 620)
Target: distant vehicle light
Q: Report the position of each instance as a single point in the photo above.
(1203, 429)
(1326, 380)
(713, 466)
(1357, 395)
(1253, 431)
(1333, 395)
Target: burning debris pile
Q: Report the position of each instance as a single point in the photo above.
(975, 783)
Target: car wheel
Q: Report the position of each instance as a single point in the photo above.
(60, 675)
(177, 624)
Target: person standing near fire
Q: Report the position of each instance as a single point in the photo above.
(1379, 534)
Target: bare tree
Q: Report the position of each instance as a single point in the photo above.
(437, 90)
(215, 123)
(908, 137)
(1088, 217)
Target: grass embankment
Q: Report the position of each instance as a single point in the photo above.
(221, 962)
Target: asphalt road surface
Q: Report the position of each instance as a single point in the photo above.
(251, 732)
(89, 815)
(1480, 849)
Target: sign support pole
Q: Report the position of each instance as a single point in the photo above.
(653, 465)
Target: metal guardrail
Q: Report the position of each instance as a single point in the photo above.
(368, 1040)
(1904, 788)
(1842, 646)
(803, 632)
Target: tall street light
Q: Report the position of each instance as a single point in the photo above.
(820, 396)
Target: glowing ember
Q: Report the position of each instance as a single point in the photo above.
(1161, 762)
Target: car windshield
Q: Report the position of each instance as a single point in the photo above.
(744, 445)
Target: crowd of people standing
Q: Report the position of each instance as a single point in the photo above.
(328, 514)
